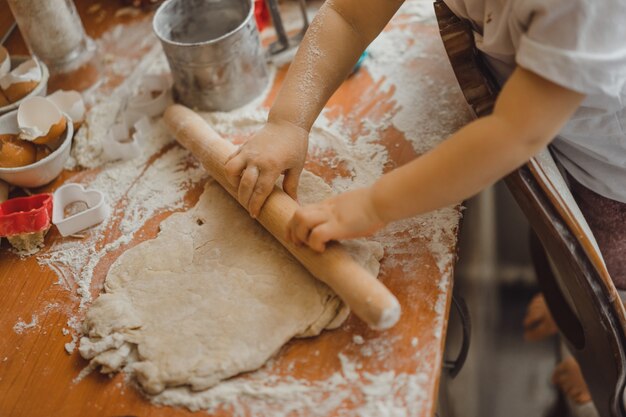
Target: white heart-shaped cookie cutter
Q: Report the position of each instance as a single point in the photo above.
(97, 209)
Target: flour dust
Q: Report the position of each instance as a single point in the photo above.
(158, 181)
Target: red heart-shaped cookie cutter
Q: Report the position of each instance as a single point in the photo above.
(25, 215)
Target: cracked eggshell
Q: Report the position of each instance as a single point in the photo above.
(40, 121)
(46, 169)
(40, 90)
(21, 81)
(70, 103)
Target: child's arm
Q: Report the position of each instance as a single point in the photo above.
(338, 35)
(528, 114)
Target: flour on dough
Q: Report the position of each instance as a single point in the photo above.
(212, 296)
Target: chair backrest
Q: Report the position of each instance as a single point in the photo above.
(580, 294)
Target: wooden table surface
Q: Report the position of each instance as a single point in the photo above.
(36, 373)
(6, 19)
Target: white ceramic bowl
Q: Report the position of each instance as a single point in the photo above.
(41, 88)
(44, 171)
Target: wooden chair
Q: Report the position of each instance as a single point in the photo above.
(580, 294)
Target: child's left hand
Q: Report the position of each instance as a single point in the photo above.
(349, 215)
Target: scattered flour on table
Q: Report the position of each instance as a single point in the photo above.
(420, 120)
(37, 319)
(21, 326)
(382, 394)
(152, 183)
(144, 191)
(157, 181)
(379, 347)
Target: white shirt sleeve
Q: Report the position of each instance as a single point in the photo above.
(578, 44)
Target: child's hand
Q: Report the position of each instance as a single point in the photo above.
(345, 216)
(279, 147)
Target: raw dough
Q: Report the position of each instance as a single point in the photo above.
(212, 296)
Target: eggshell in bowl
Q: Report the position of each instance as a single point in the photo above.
(54, 134)
(20, 82)
(70, 103)
(40, 90)
(41, 172)
(40, 120)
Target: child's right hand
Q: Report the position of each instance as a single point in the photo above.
(280, 147)
(345, 216)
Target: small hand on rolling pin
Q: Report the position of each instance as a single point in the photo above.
(346, 216)
(278, 148)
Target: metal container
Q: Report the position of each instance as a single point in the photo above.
(53, 32)
(214, 52)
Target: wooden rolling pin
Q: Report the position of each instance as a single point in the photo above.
(362, 292)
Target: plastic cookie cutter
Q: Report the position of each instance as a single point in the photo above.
(24, 221)
(120, 144)
(124, 143)
(152, 98)
(97, 209)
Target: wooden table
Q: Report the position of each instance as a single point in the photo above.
(36, 374)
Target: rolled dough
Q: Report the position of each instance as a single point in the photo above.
(213, 295)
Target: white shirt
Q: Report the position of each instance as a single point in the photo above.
(580, 45)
